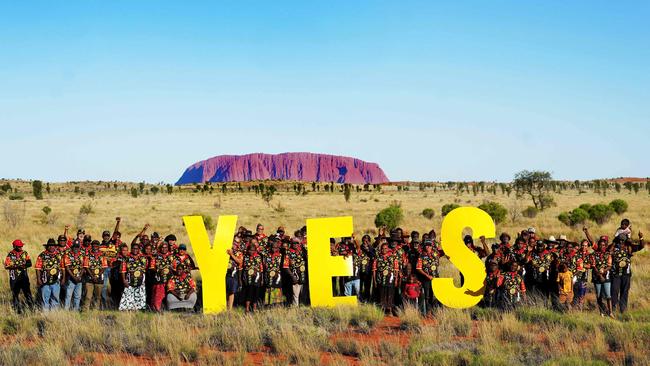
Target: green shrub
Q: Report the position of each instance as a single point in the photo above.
(530, 212)
(429, 213)
(619, 206)
(495, 210)
(86, 209)
(37, 189)
(448, 208)
(390, 217)
(575, 217)
(210, 225)
(16, 197)
(134, 192)
(600, 213)
(585, 206)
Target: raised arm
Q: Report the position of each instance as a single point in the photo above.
(137, 237)
(589, 238)
(117, 225)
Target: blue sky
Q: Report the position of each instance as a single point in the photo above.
(138, 90)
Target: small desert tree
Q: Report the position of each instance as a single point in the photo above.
(347, 192)
(535, 184)
(267, 195)
(37, 189)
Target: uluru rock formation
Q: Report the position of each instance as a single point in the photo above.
(300, 166)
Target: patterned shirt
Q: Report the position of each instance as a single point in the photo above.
(181, 284)
(599, 263)
(51, 267)
(272, 266)
(513, 286)
(74, 262)
(20, 261)
(95, 263)
(253, 269)
(134, 266)
(162, 266)
(387, 269)
(621, 262)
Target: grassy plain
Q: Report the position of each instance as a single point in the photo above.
(529, 336)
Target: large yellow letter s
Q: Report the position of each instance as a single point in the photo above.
(469, 264)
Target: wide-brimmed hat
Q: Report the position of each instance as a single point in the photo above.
(50, 242)
(551, 239)
(562, 238)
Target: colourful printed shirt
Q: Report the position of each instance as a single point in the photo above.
(51, 267)
(233, 266)
(186, 260)
(493, 281)
(621, 262)
(294, 261)
(541, 264)
(253, 269)
(429, 264)
(134, 266)
(272, 266)
(162, 266)
(182, 285)
(19, 262)
(95, 263)
(599, 263)
(74, 262)
(513, 286)
(386, 268)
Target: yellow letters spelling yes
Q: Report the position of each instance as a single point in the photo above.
(213, 259)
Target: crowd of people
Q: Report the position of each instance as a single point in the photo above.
(392, 269)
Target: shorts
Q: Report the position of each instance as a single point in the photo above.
(565, 298)
(232, 285)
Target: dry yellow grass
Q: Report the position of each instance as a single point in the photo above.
(531, 336)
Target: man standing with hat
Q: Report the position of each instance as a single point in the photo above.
(16, 263)
(50, 275)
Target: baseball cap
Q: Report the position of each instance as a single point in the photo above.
(182, 247)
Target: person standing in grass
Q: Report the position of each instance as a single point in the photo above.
(233, 272)
(622, 252)
(366, 258)
(73, 261)
(564, 287)
(132, 274)
(50, 275)
(117, 285)
(181, 289)
(412, 290)
(427, 269)
(161, 269)
(601, 264)
(539, 264)
(493, 283)
(252, 276)
(16, 263)
(385, 272)
(272, 273)
(294, 267)
(513, 289)
(581, 266)
(94, 267)
(353, 283)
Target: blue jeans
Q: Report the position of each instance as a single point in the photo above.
(50, 294)
(107, 274)
(352, 284)
(73, 290)
(606, 289)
